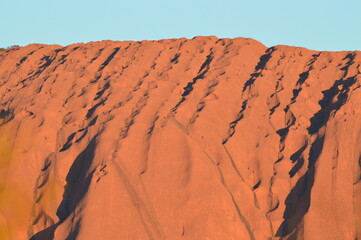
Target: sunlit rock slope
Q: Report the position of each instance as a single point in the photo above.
(193, 139)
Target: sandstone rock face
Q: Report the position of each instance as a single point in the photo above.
(179, 139)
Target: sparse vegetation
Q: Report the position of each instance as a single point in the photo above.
(11, 47)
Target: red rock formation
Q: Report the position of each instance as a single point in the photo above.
(179, 139)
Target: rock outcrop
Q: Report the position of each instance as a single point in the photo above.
(179, 139)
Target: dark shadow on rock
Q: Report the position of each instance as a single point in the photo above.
(74, 233)
(259, 67)
(298, 201)
(6, 116)
(77, 181)
(110, 58)
(68, 143)
(101, 92)
(77, 184)
(303, 77)
(46, 62)
(295, 156)
(93, 108)
(201, 73)
(327, 104)
(46, 234)
(340, 90)
(175, 58)
(233, 124)
(264, 59)
(296, 167)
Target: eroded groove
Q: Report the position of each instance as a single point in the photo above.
(77, 178)
(106, 87)
(212, 84)
(303, 77)
(298, 201)
(146, 215)
(18, 65)
(223, 182)
(258, 71)
(141, 103)
(201, 73)
(289, 122)
(189, 87)
(240, 215)
(109, 59)
(232, 125)
(339, 89)
(129, 121)
(148, 140)
(97, 55)
(46, 62)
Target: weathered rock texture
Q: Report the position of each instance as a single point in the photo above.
(179, 139)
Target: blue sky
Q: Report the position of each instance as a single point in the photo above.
(316, 24)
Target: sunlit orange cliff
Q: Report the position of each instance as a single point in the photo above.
(194, 139)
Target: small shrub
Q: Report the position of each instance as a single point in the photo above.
(13, 46)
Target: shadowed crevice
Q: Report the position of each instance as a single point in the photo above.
(296, 167)
(201, 73)
(339, 90)
(110, 58)
(68, 143)
(189, 87)
(46, 62)
(26, 57)
(78, 181)
(259, 67)
(233, 124)
(77, 185)
(46, 234)
(93, 108)
(258, 70)
(74, 232)
(6, 116)
(299, 159)
(298, 201)
(328, 103)
(101, 92)
(175, 58)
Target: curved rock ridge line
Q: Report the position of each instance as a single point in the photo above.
(201, 138)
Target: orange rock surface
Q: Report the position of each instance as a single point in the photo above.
(179, 139)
